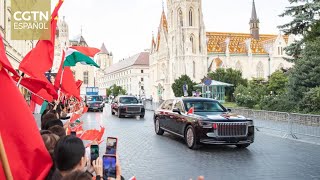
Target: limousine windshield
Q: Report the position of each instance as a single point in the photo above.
(204, 106)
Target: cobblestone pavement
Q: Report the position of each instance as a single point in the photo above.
(146, 155)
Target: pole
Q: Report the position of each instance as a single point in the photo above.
(20, 79)
(269, 67)
(4, 161)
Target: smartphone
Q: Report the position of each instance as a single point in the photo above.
(109, 166)
(111, 145)
(73, 133)
(94, 152)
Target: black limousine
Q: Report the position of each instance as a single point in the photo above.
(127, 106)
(209, 123)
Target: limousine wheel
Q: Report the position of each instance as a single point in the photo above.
(112, 112)
(242, 146)
(157, 128)
(190, 138)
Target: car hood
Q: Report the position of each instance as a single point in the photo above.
(220, 116)
(94, 102)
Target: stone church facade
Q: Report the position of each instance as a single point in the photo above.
(182, 46)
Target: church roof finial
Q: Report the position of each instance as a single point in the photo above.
(254, 11)
(162, 5)
(81, 30)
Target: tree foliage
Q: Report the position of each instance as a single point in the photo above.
(230, 76)
(305, 22)
(311, 101)
(177, 86)
(251, 95)
(116, 90)
(278, 83)
(306, 72)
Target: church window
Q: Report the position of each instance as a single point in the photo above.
(260, 71)
(172, 19)
(86, 77)
(180, 18)
(194, 69)
(190, 18)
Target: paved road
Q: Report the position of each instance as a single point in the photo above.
(149, 156)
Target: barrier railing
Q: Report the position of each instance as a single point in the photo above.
(291, 124)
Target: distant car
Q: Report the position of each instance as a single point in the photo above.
(127, 106)
(210, 123)
(94, 102)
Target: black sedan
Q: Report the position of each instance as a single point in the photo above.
(209, 123)
(127, 106)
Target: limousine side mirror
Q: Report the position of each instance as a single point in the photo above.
(229, 110)
(177, 111)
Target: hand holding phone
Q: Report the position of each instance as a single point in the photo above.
(109, 166)
(112, 143)
(94, 152)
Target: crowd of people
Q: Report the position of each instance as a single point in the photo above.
(68, 152)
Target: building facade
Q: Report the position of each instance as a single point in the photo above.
(104, 59)
(183, 47)
(15, 49)
(132, 74)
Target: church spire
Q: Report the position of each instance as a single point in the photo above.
(254, 22)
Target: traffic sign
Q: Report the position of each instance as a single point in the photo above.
(207, 81)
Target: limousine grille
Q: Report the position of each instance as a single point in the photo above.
(232, 129)
(133, 109)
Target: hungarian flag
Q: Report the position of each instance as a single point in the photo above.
(4, 61)
(81, 55)
(68, 84)
(40, 59)
(27, 155)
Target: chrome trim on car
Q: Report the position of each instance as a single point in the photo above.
(134, 109)
(209, 141)
(232, 129)
(172, 132)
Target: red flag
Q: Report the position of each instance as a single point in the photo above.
(93, 134)
(40, 59)
(35, 85)
(4, 61)
(191, 110)
(89, 51)
(74, 117)
(68, 84)
(27, 155)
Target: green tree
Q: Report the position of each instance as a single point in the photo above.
(177, 86)
(310, 102)
(277, 83)
(306, 72)
(116, 90)
(230, 76)
(304, 23)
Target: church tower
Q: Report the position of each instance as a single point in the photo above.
(187, 39)
(254, 23)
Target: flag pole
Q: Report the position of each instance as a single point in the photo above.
(36, 95)
(4, 161)
(20, 79)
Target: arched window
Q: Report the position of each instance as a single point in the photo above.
(86, 77)
(192, 45)
(194, 69)
(180, 18)
(239, 66)
(260, 71)
(190, 18)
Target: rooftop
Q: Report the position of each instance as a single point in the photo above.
(138, 59)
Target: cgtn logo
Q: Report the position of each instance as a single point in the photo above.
(31, 20)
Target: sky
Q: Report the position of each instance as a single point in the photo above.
(126, 26)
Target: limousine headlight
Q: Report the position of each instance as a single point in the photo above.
(250, 122)
(205, 124)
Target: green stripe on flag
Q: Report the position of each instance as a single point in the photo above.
(77, 57)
